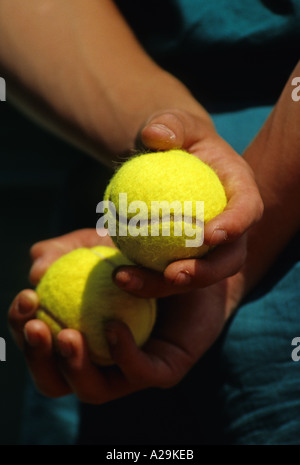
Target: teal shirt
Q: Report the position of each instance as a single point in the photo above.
(229, 53)
(235, 57)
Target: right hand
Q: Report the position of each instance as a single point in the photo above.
(228, 230)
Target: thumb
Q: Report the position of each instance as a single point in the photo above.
(173, 129)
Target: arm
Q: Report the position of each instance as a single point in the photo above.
(274, 156)
(192, 322)
(77, 67)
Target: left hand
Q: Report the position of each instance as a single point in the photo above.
(228, 230)
(186, 327)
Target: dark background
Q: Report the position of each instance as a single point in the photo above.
(47, 188)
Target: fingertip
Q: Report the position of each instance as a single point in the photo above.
(117, 332)
(37, 270)
(158, 137)
(35, 250)
(243, 210)
(65, 348)
(226, 227)
(220, 262)
(120, 341)
(179, 274)
(41, 358)
(37, 333)
(27, 301)
(215, 236)
(145, 283)
(129, 278)
(22, 307)
(70, 343)
(163, 132)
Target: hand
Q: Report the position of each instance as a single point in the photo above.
(31, 335)
(196, 134)
(186, 327)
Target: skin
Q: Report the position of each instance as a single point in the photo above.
(171, 118)
(172, 350)
(96, 106)
(177, 342)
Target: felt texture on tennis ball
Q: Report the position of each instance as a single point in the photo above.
(77, 292)
(157, 177)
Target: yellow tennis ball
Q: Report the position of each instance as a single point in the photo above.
(77, 292)
(164, 193)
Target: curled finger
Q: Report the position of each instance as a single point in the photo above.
(222, 262)
(22, 309)
(42, 360)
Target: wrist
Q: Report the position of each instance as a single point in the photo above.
(158, 94)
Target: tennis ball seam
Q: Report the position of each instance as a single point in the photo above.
(181, 177)
(56, 320)
(148, 301)
(63, 325)
(105, 259)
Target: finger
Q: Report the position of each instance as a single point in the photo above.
(22, 309)
(173, 129)
(163, 132)
(220, 263)
(182, 276)
(62, 244)
(245, 207)
(160, 364)
(42, 361)
(89, 382)
(243, 211)
(144, 283)
(132, 361)
(134, 369)
(34, 339)
(44, 253)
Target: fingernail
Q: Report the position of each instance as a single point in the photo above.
(127, 280)
(65, 349)
(218, 236)
(164, 130)
(32, 339)
(182, 279)
(26, 303)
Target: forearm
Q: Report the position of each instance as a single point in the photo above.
(78, 68)
(275, 159)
